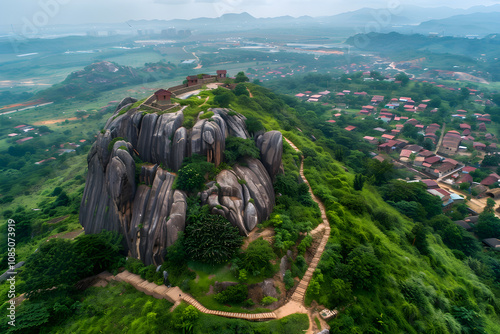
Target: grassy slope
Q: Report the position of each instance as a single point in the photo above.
(120, 308)
(441, 275)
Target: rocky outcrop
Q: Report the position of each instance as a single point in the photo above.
(236, 125)
(270, 145)
(125, 102)
(137, 199)
(113, 201)
(244, 196)
(208, 139)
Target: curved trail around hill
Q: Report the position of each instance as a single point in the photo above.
(295, 304)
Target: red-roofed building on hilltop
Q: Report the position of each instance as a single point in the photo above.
(432, 160)
(468, 169)
(163, 96)
(221, 75)
(421, 107)
(464, 178)
(20, 141)
(192, 80)
(479, 146)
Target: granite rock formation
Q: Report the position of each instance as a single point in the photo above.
(137, 200)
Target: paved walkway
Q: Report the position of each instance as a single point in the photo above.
(294, 305)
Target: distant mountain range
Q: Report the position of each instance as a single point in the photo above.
(481, 20)
(470, 24)
(477, 20)
(403, 44)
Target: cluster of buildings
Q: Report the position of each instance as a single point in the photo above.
(311, 97)
(161, 99)
(266, 73)
(448, 199)
(21, 129)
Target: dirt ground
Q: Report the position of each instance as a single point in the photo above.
(57, 220)
(67, 235)
(55, 121)
(267, 234)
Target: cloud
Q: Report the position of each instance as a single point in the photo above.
(89, 11)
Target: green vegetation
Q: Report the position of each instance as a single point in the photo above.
(256, 259)
(210, 238)
(191, 176)
(61, 263)
(233, 294)
(239, 148)
(268, 300)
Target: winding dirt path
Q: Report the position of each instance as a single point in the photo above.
(294, 305)
(440, 141)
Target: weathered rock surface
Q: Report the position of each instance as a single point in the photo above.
(244, 196)
(112, 201)
(144, 208)
(270, 145)
(125, 102)
(208, 139)
(236, 125)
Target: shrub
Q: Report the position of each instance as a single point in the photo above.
(113, 142)
(289, 281)
(267, 300)
(254, 125)
(304, 244)
(299, 267)
(237, 148)
(256, 259)
(191, 176)
(134, 265)
(233, 294)
(207, 115)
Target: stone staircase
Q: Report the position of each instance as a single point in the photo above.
(300, 291)
(175, 295)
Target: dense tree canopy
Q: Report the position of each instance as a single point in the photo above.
(210, 238)
(238, 148)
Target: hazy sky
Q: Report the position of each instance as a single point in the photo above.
(47, 12)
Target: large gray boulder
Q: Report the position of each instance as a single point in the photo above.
(236, 125)
(259, 185)
(149, 216)
(244, 196)
(124, 103)
(139, 201)
(270, 145)
(207, 139)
